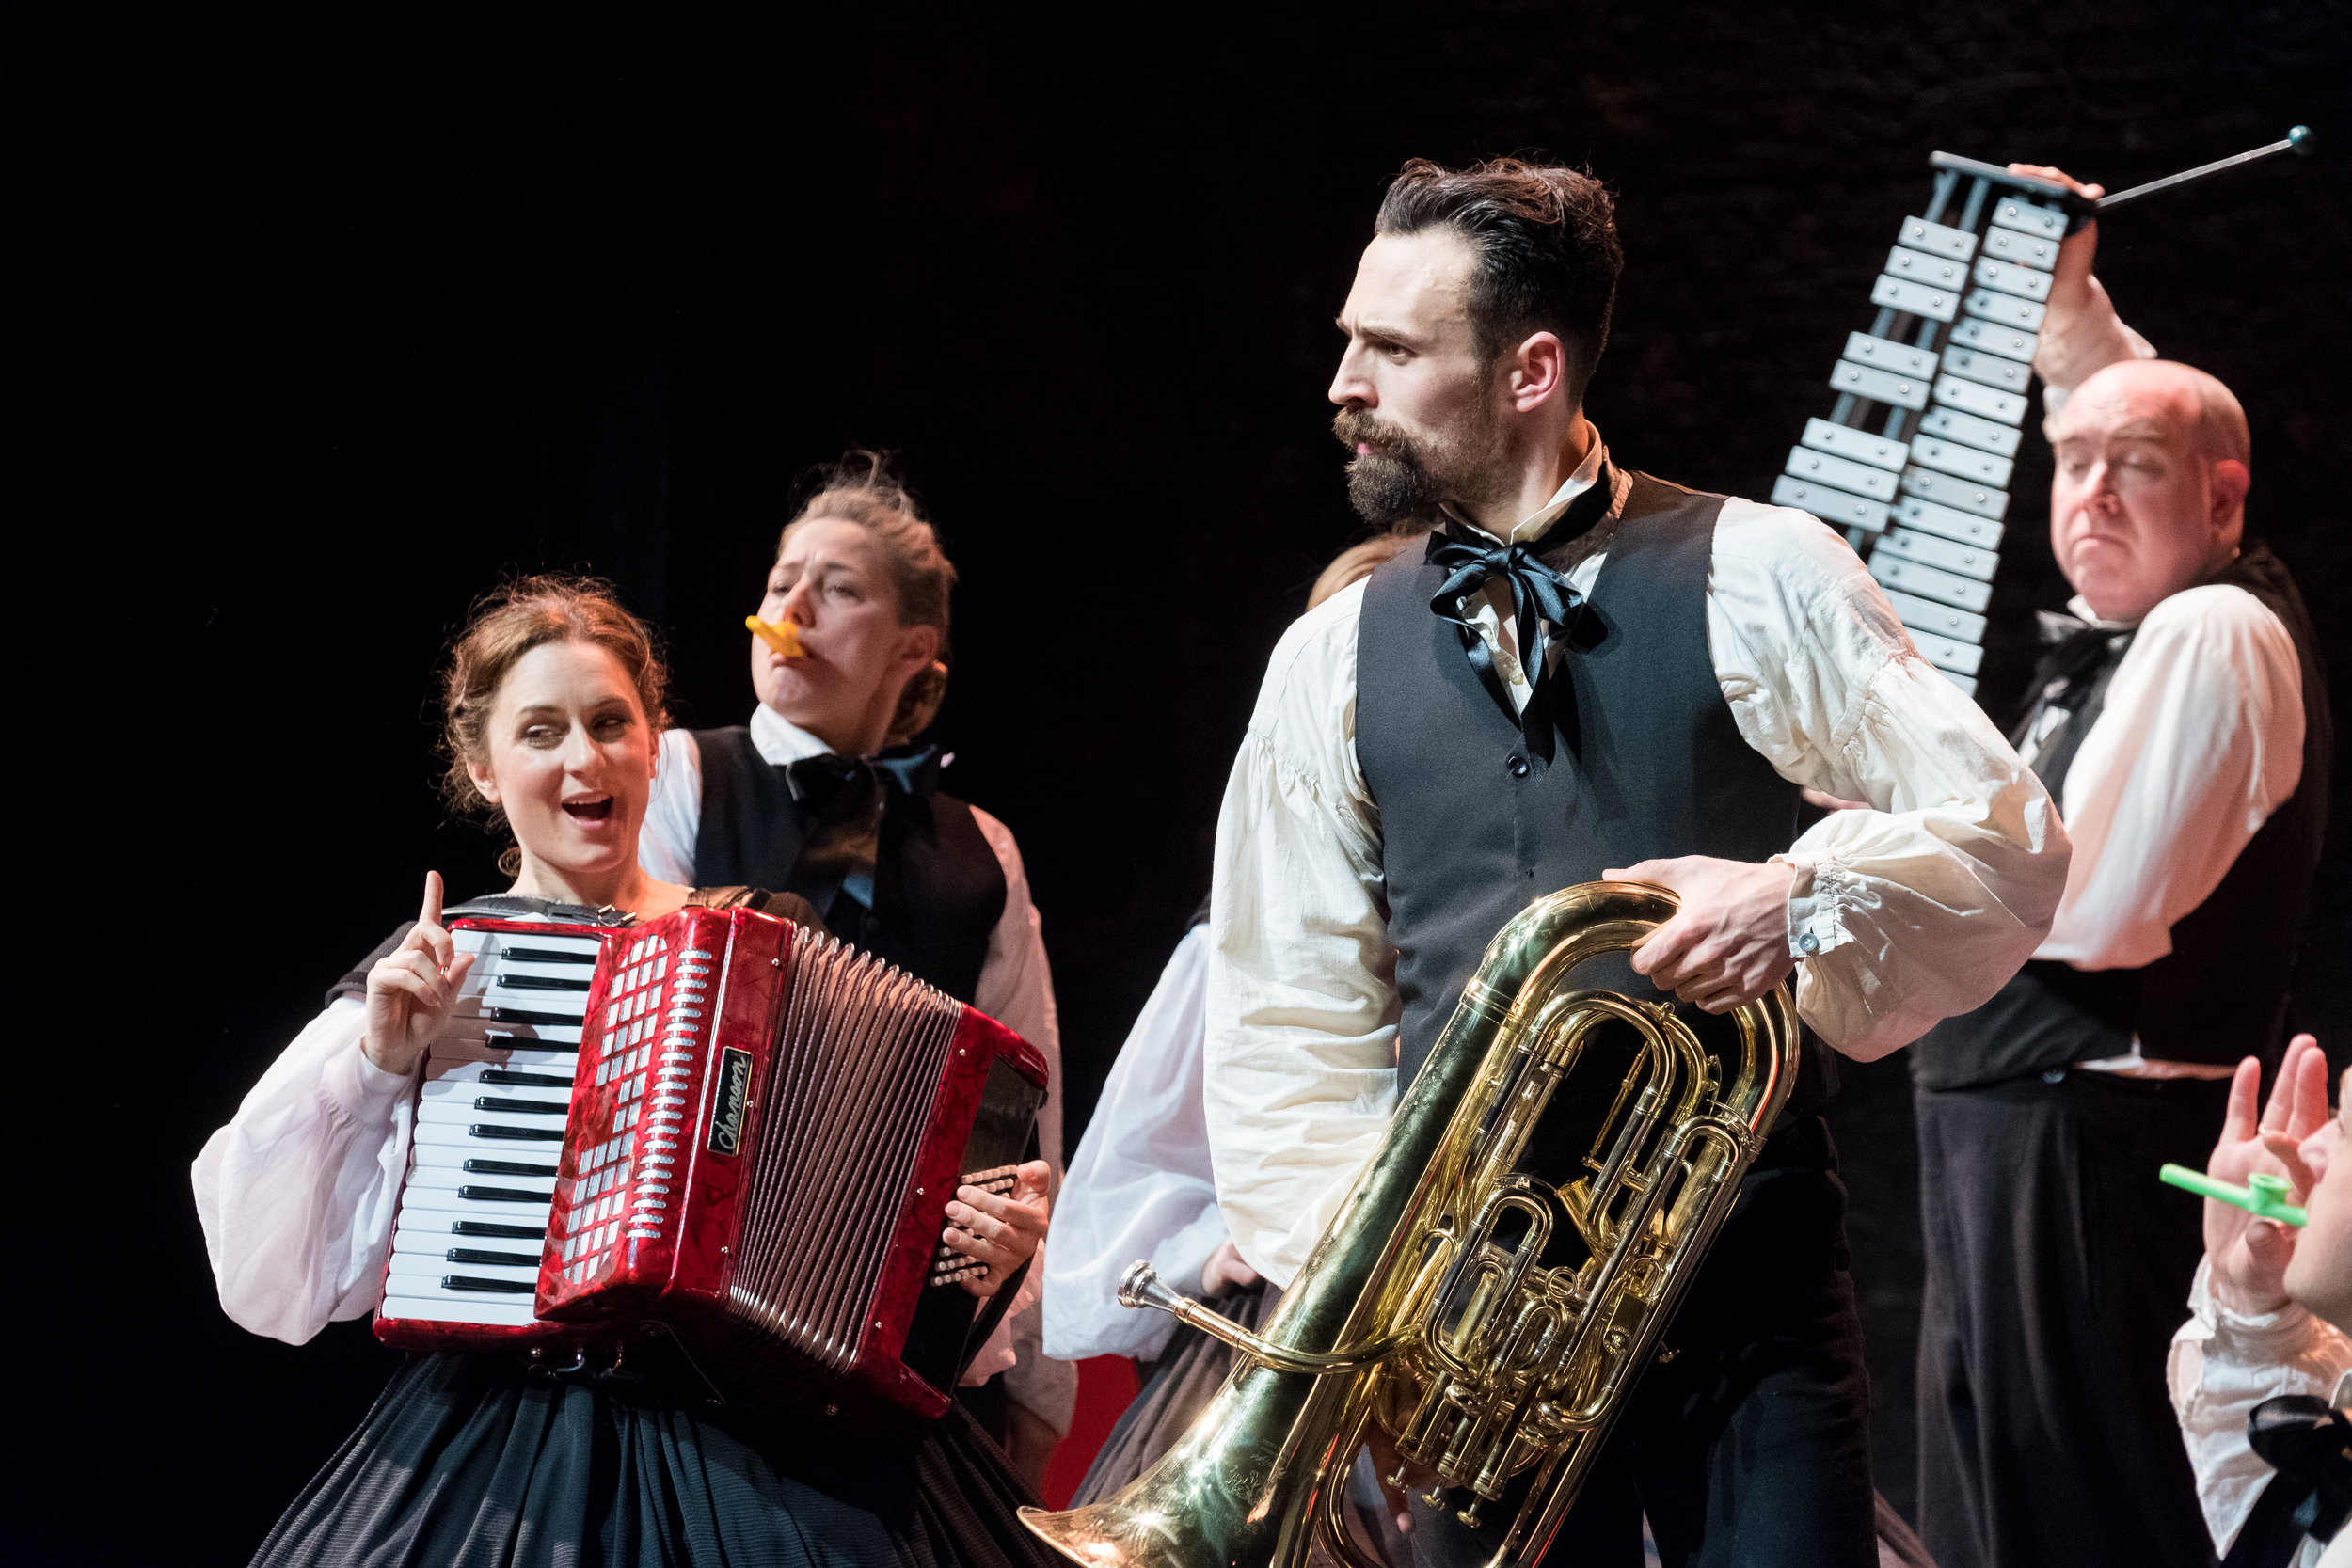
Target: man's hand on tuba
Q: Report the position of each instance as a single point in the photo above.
(1729, 942)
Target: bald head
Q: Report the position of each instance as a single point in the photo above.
(2207, 412)
(2149, 496)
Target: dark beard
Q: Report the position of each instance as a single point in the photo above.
(1403, 478)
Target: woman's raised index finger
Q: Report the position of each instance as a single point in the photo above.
(429, 914)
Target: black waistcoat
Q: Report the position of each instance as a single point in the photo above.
(938, 887)
(1473, 828)
(2221, 992)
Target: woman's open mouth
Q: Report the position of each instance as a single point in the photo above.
(590, 810)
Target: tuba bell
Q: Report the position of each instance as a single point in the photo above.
(1490, 1312)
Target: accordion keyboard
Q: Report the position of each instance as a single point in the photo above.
(489, 1133)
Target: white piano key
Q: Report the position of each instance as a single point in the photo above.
(1878, 386)
(422, 1177)
(439, 1244)
(560, 1065)
(1984, 402)
(1919, 234)
(2026, 250)
(477, 1033)
(511, 1098)
(453, 1200)
(1989, 370)
(1917, 266)
(1992, 306)
(2010, 342)
(1967, 683)
(1946, 554)
(461, 1112)
(2011, 278)
(1960, 494)
(411, 1265)
(1862, 446)
(457, 1153)
(1888, 355)
(1836, 507)
(1982, 531)
(1942, 619)
(1950, 457)
(1927, 582)
(2030, 218)
(1953, 425)
(1858, 477)
(1946, 653)
(1919, 299)
(461, 1307)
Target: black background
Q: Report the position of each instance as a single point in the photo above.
(338, 316)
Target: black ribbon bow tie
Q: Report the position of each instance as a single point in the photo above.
(818, 782)
(2310, 1444)
(1542, 604)
(2074, 654)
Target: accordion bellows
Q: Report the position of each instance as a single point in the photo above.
(763, 1132)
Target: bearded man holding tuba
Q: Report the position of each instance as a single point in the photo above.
(1587, 674)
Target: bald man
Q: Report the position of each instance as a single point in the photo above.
(2180, 718)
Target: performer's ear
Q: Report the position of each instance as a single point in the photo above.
(485, 782)
(1539, 372)
(918, 645)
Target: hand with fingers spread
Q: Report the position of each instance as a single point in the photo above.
(1729, 943)
(1000, 1229)
(412, 988)
(2250, 1256)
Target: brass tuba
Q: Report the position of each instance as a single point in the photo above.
(1490, 1317)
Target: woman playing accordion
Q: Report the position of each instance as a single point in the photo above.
(551, 706)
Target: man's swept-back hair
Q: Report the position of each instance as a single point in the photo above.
(1546, 239)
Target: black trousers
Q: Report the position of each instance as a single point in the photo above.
(1750, 1447)
(2058, 1269)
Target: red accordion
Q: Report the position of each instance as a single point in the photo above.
(717, 1122)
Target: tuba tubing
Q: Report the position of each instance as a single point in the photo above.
(1549, 1354)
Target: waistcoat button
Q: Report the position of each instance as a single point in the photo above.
(1515, 765)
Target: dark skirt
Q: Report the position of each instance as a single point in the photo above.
(476, 1462)
(1182, 1383)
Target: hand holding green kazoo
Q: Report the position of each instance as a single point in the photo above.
(2264, 1195)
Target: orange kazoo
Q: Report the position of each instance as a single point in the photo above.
(783, 636)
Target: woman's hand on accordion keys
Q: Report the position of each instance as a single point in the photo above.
(412, 988)
(1000, 1229)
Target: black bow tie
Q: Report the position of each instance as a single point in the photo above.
(820, 782)
(2074, 653)
(2310, 1444)
(1542, 604)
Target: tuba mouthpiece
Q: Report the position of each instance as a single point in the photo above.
(1142, 1287)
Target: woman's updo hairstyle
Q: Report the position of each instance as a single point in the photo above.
(864, 489)
(507, 623)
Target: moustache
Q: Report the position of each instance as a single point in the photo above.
(1354, 428)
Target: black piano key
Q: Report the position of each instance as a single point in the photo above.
(546, 955)
(501, 1195)
(475, 1255)
(517, 1134)
(513, 1079)
(540, 982)
(502, 1233)
(491, 1287)
(507, 1168)
(517, 1015)
(522, 1107)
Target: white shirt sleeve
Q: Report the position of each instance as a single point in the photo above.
(1302, 1005)
(1922, 905)
(2076, 345)
(296, 1194)
(674, 815)
(1016, 989)
(1141, 1185)
(1016, 986)
(2200, 740)
(2220, 1367)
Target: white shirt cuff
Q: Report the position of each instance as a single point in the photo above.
(363, 1092)
(1816, 905)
